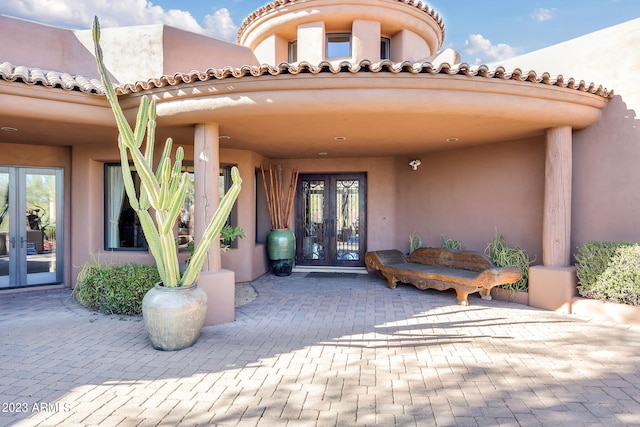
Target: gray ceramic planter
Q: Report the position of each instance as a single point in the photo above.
(174, 316)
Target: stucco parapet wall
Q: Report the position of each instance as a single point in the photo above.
(280, 6)
(50, 79)
(366, 66)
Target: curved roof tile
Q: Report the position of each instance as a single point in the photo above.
(367, 66)
(267, 8)
(52, 79)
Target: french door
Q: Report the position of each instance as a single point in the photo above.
(31, 226)
(331, 220)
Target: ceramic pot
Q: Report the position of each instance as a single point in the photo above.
(174, 316)
(281, 249)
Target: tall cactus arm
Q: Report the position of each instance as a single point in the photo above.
(121, 120)
(127, 134)
(163, 190)
(213, 230)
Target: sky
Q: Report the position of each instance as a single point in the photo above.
(481, 31)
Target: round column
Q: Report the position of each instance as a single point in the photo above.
(556, 226)
(206, 159)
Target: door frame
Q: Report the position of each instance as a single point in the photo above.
(330, 215)
(17, 233)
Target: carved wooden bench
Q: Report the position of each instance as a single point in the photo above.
(465, 271)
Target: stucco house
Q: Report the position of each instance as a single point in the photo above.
(539, 146)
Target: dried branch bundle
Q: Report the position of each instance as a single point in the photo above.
(279, 206)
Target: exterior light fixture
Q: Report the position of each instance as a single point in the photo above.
(340, 138)
(452, 139)
(224, 137)
(414, 164)
(322, 153)
(8, 129)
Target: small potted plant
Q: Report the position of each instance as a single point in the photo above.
(174, 310)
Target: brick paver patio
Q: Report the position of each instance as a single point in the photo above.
(320, 352)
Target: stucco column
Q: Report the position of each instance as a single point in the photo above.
(556, 225)
(206, 159)
(311, 42)
(365, 40)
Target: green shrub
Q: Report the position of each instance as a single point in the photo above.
(114, 289)
(504, 256)
(609, 271)
(451, 244)
(414, 242)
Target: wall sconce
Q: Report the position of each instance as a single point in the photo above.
(414, 164)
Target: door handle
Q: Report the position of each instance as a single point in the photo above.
(13, 243)
(22, 240)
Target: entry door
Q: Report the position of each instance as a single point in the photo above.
(31, 226)
(330, 220)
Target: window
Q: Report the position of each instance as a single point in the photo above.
(338, 45)
(293, 51)
(385, 48)
(122, 226)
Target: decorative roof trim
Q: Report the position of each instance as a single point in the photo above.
(270, 7)
(65, 81)
(367, 66)
(50, 79)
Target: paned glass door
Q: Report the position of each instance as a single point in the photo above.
(330, 220)
(30, 226)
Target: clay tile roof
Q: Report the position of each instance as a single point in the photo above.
(51, 79)
(276, 4)
(385, 66)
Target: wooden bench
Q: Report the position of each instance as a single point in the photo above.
(465, 271)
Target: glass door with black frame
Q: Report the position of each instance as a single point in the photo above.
(330, 221)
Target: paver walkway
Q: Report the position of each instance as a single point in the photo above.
(320, 352)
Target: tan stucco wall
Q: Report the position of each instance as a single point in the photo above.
(39, 46)
(606, 201)
(185, 51)
(248, 259)
(408, 46)
(142, 52)
(466, 193)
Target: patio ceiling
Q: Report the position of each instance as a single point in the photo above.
(341, 113)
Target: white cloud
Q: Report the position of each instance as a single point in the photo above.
(78, 14)
(220, 25)
(543, 14)
(485, 51)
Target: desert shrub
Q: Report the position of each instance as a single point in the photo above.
(414, 242)
(451, 244)
(114, 289)
(505, 256)
(609, 271)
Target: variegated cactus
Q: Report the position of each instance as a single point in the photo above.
(163, 191)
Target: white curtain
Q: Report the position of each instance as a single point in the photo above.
(116, 197)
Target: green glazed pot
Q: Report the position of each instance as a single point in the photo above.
(174, 316)
(281, 248)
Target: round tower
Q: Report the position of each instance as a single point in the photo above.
(342, 30)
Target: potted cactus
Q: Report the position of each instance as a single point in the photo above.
(174, 310)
